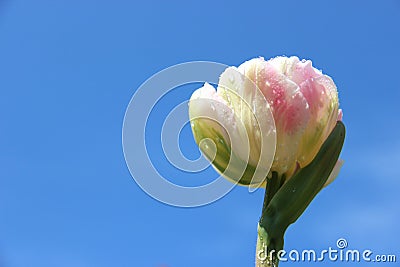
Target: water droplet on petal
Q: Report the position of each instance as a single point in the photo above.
(212, 107)
(231, 78)
(228, 98)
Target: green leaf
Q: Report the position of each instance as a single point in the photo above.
(296, 194)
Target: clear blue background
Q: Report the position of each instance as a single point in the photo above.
(67, 72)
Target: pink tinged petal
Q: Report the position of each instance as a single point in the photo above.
(340, 115)
(289, 106)
(303, 71)
(285, 65)
(321, 96)
(294, 69)
(332, 101)
(290, 110)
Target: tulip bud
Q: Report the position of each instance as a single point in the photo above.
(271, 116)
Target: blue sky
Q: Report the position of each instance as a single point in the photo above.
(68, 70)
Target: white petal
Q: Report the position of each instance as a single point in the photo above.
(335, 172)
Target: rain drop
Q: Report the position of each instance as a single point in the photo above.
(231, 78)
(228, 98)
(212, 107)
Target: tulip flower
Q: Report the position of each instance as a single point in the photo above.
(302, 102)
(275, 124)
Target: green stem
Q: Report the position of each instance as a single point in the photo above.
(267, 244)
(284, 203)
(273, 185)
